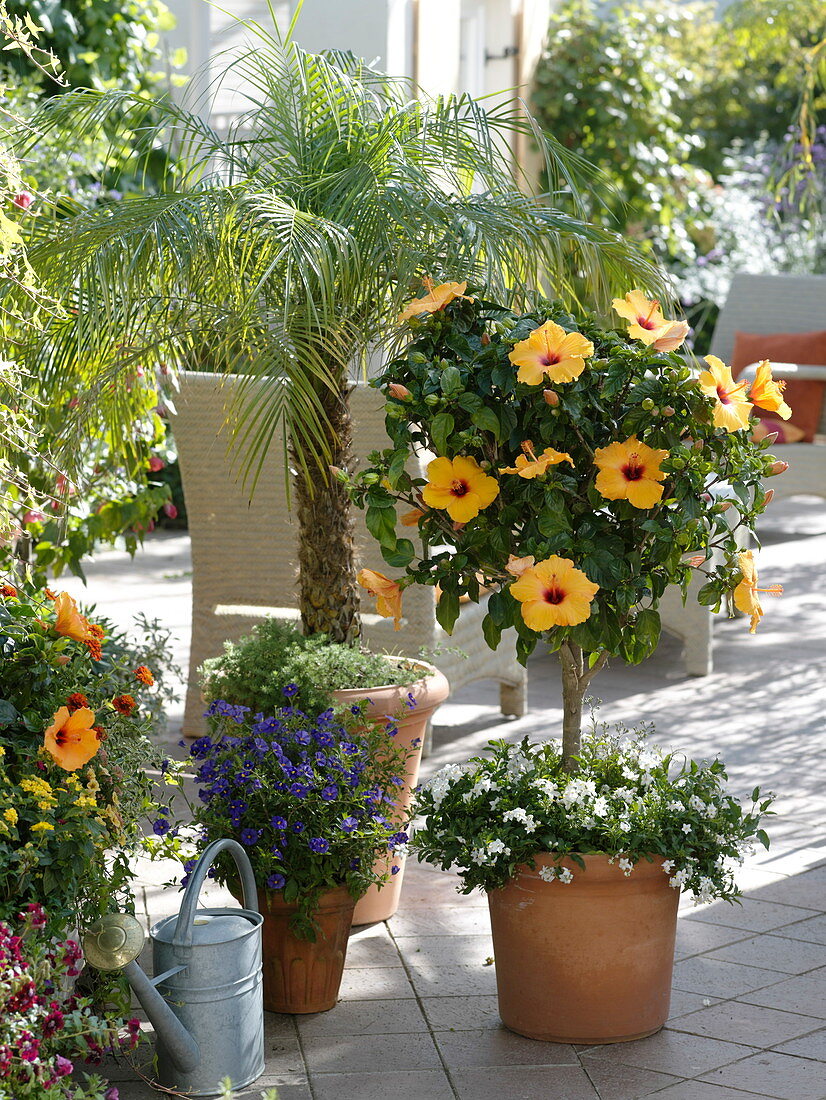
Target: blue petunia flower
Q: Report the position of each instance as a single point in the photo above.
(349, 824)
(330, 792)
(276, 882)
(319, 844)
(250, 836)
(161, 826)
(278, 823)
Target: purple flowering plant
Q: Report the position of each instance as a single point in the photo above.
(309, 795)
(46, 1028)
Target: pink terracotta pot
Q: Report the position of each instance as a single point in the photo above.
(586, 962)
(429, 692)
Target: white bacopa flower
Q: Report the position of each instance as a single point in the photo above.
(565, 875)
(696, 803)
(668, 866)
(479, 856)
(601, 807)
(547, 874)
(497, 846)
(578, 790)
(625, 793)
(710, 811)
(686, 828)
(629, 773)
(626, 866)
(678, 879)
(624, 825)
(546, 787)
(646, 779)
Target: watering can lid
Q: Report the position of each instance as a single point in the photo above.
(210, 926)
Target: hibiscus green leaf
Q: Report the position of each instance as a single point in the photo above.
(441, 427)
(491, 632)
(762, 836)
(8, 713)
(381, 523)
(451, 382)
(447, 610)
(486, 419)
(400, 556)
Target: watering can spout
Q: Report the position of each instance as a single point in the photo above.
(113, 943)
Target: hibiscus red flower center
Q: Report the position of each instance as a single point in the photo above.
(554, 595)
(723, 396)
(645, 322)
(550, 360)
(633, 471)
(459, 488)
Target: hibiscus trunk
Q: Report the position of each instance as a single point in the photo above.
(573, 690)
(328, 593)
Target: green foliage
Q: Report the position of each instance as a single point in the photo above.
(99, 43)
(633, 553)
(627, 799)
(66, 835)
(254, 671)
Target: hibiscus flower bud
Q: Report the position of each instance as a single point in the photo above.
(551, 398)
(156, 463)
(778, 467)
(23, 200)
(485, 340)
(698, 444)
(170, 510)
(400, 392)
(769, 496)
(668, 410)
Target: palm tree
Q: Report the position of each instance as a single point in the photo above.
(283, 249)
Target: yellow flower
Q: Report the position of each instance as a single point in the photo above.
(554, 593)
(745, 594)
(10, 815)
(42, 827)
(70, 623)
(40, 789)
(648, 323)
(437, 298)
(551, 351)
(388, 593)
(86, 802)
(460, 486)
(528, 465)
(767, 393)
(71, 738)
(630, 471)
(732, 410)
(517, 566)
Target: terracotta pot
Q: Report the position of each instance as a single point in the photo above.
(429, 691)
(300, 976)
(586, 962)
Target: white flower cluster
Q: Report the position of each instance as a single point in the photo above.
(556, 874)
(439, 785)
(518, 814)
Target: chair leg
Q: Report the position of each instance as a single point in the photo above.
(513, 698)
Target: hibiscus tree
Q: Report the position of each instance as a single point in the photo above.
(580, 471)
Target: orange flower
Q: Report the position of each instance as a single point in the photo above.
(528, 465)
(517, 566)
(7, 590)
(71, 739)
(459, 485)
(70, 623)
(732, 410)
(630, 471)
(76, 700)
(550, 351)
(143, 674)
(648, 323)
(94, 636)
(124, 704)
(411, 518)
(554, 593)
(745, 594)
(437, 298)
(47, 592)
(767, 393)
(388, 594)
(400, 392)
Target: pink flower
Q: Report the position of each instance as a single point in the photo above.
(62, 1066)
(23, 200)
(156, 463)
(170, 510)
(34, 515)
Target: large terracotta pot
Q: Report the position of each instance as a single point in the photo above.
(429, 691)
(586, 962)
(301, 976)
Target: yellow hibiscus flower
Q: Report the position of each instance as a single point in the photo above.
(732, 410)
(528, 465)
(554, 593)
(767, 393)
(551, 352)
(630, 471)
(648, 323)
(388, 594)
(745, 594)
(460, 486)
(437, 298)
(71, 738)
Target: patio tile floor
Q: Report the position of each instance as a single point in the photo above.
(417, 1019)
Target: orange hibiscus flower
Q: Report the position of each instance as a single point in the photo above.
(745, 594)
(648, 323)
(554, 593)
(630, 471)
(71, 738)
(460, 486)
(551, 352)
(69, 622)
(411, 518)
(767, 393)
(388, 594)
(732, 410)
(528, 465)
(437, 298)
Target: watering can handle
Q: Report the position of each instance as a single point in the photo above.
(186, 917)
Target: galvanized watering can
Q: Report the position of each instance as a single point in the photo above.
(206, 999)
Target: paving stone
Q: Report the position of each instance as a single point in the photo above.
(462, 1013)
(412, 1085)
(431, 980)
(626, 1082)
(369, 1017)
(696, 937)
(446, 920)
(758, 916)
(290, 1087)
(774, 952)
(753, 1025)
(371, 946)
(699, 1090)
(439, 950)
(351, 1053)
(805, 993)
(682, 1003)
(772, 1074)
(670, 1052)
(386, 982)
(489, 1047)
(812, 1045)
(806, 891)
(813, 930)
(524, 1083)
(716, 978)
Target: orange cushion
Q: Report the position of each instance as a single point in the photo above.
(805, 397)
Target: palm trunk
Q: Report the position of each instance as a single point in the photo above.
(328, 592)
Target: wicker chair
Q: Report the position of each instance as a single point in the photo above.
(760, 303)
(244, 553)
